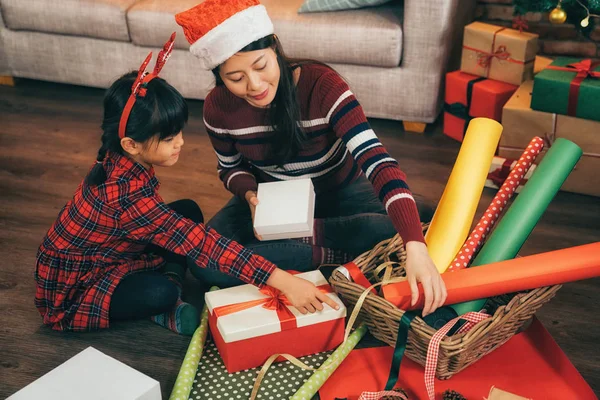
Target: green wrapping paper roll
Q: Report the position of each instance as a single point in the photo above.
(185, 377)
(517, 224)
(314, 383)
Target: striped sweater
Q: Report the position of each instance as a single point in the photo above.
(340, 146)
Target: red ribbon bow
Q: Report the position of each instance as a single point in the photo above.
(584, 70)
(484, 59)
(520, 23)
(275, 300)
(499, 175)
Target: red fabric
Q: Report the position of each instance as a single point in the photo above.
(488, 99)
(100, 236)
(199, 20)
(253, 352)
(545, 269)
(530, 364)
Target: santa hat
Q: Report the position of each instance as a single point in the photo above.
(217, 29)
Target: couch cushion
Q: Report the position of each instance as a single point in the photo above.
(103, 19)
(336, 5)
(371, 36)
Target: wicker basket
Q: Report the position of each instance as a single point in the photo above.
(456, 352)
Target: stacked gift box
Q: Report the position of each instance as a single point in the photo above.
(501, 78)
(495, 61)
(562, 101)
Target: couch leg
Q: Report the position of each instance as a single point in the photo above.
(7, 80)
(418, 127)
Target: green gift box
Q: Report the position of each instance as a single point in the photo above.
(569, 86)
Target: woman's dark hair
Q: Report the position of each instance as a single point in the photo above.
(162, 113)
(284, 113)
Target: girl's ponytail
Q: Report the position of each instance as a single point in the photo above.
(97, 174)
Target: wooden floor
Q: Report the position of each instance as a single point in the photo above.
(49, 135)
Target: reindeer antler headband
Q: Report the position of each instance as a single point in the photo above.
(140, 85)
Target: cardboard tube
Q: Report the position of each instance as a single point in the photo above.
(523, 273)
(453, 217)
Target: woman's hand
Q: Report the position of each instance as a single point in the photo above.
(301, 293)
(420, 268)
(252, 203)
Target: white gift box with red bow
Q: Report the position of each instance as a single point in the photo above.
(249, 324)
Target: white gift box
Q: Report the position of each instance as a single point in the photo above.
(91, 375)
(285, 209)
(249, 333)
(500, 168)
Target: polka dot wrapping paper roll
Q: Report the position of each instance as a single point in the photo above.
(490, 217)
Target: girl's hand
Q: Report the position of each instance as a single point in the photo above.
(252, 203)
(303, 294)
(420, 268)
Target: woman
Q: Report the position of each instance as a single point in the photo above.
(274, 118)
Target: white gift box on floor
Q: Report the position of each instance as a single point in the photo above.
(285, 209)
(499, 171)
(248, 324)
(91, 375)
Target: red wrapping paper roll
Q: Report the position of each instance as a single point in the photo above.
(551, 268)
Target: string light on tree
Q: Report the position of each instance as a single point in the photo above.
(583, 14)
(586, 21)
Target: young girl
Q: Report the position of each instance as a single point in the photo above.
(101, 259)
(273, 118)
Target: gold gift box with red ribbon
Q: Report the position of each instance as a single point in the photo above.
(521, 123)
(498, 53)
(249, 325)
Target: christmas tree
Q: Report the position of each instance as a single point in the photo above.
(584, 14)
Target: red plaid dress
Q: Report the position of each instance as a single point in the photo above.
(100, 237)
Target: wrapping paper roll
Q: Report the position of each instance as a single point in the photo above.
(492, 213)
(185, 377)
(453, 217)
(517, 224)
(314, 383)
(523, 273)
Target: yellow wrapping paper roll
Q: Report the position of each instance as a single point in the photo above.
(452, 220)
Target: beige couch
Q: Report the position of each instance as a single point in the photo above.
(394, 56)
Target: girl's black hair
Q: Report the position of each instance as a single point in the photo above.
(284, 112)
(162, 113)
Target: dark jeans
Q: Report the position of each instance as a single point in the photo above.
(148, 293)
(354, 221)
